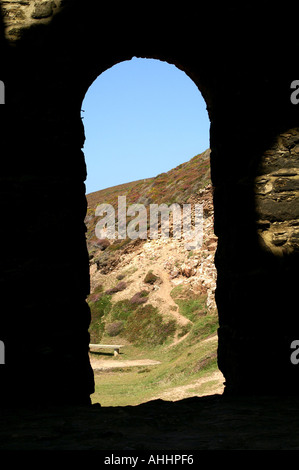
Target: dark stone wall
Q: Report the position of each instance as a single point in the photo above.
(243, 63)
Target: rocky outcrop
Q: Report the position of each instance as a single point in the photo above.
(198, 268)
(191, 267)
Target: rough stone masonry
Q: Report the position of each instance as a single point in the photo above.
(243, 64)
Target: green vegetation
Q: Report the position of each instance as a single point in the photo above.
(190, 305)
(194, 308)
(114, 329)
(139, 324)
(186, 369)
(187, 366)
(99, 308)
(121, 310)
(146, 327)
(143, 324)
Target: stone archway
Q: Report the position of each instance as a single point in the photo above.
(52, 52)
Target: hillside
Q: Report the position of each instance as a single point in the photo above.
(177, 185)
(174, 186)
(152, 295)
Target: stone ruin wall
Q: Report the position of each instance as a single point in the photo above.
(52, 51)
(21, 14)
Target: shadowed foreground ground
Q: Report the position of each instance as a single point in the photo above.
(206, 423)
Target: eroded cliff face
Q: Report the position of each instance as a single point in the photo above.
(52, 51)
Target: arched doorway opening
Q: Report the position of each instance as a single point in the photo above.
(249, 105)
(147, 142)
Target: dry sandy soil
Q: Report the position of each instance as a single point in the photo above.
(98, 364)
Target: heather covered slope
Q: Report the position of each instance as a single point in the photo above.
(174, 186)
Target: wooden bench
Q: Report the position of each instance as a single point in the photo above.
(115, 347)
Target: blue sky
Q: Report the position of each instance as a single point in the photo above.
(142, 117)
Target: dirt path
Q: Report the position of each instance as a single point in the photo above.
(98, 364)
(164, 293)
(211, 384)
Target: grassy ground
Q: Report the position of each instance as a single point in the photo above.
(189, 368)
(187, 354)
